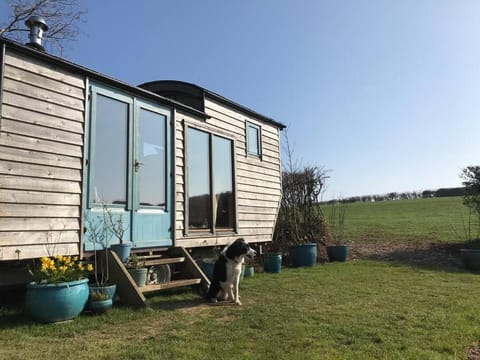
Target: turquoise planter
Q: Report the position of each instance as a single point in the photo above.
(272, 263)
(139, 276)
(249, 271)
(105, 289)
(303, 255)
(50, 303)
(122, 250)
(471, 258)
(207, 267)
(337, 253)
(100, 306)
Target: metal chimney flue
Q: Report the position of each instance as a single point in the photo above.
(37, 26)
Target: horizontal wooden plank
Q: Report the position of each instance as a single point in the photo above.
(246, 175)
(242, 217)
(228, 115)
(257, 203)
(258, 165)
(38, 237)
(35, 92)
(33, 78)
(35, 157)
(36, 184)
(22, 252)
(38, 224)
(147, 289)
(256, 210)
(259, 183)
(41, 132)
(249, 168)
(257, 231)
(25, 142)
(36, 197)
(264, 197)
(38, 210)
(41, 106)
(44, 69)
(48, 172)
(257, 223)
(37, 118)
(257, 189)
(162, 261)
(220, 241)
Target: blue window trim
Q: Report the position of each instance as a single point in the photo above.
(258, 128)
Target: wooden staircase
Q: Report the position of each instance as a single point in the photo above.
(186, 273)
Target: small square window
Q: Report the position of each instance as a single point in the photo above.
(253, 140)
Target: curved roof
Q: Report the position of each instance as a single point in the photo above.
(194, 96)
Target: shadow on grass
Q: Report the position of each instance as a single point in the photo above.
(177, 299)
(431, 256)
(11, 317)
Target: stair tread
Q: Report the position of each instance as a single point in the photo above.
(172, 284)
(163, 260)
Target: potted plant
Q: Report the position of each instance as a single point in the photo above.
(137, 270)
(301, 224)
(99, 301)
(59, 291)
(98, 235)
(248, 267)
(272, 259)
(118, 229)
(338, 250)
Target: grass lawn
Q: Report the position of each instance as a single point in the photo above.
(354, 310)
(436, 219)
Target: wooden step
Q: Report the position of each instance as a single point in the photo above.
(163, 261)
(169, 285)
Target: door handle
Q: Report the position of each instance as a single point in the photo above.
(138, 164)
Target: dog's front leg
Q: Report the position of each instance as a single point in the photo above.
(235, 290)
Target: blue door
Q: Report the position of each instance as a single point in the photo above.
(128, 170)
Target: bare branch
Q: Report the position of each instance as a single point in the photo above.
(62, 17)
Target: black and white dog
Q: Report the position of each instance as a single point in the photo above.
(226, 272)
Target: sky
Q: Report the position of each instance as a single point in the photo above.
(383, 94)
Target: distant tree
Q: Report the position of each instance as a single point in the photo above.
(62, 17)
(471, 181)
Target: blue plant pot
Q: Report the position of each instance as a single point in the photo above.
(249, 271)
(207, 267)
(337, 253)
(471, 258)
(100, 306)
(303, 255)
(50, 303)
(139, 276)
(105, 289)
(272, 263)
(122, 250)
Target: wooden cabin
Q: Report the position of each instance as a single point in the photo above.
(183, 165)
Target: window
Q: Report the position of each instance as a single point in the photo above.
(111, 136)
(254, 145)
(211, 203)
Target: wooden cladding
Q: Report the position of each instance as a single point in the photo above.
(258, 180)
(41, 152)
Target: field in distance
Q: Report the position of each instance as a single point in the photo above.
(419, 220)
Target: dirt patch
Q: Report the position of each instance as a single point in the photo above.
(473, 352)
(424, 252)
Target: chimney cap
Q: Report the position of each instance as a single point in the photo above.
(36, 20)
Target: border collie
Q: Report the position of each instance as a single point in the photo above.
(226, 272)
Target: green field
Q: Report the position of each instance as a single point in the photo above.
(435, 219)
(362, 309)
(354, 310)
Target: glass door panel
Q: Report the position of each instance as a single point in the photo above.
(152, 215)
(151, 163)
(110, 149)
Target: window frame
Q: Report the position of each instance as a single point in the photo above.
(258, 128)
(212, 230)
